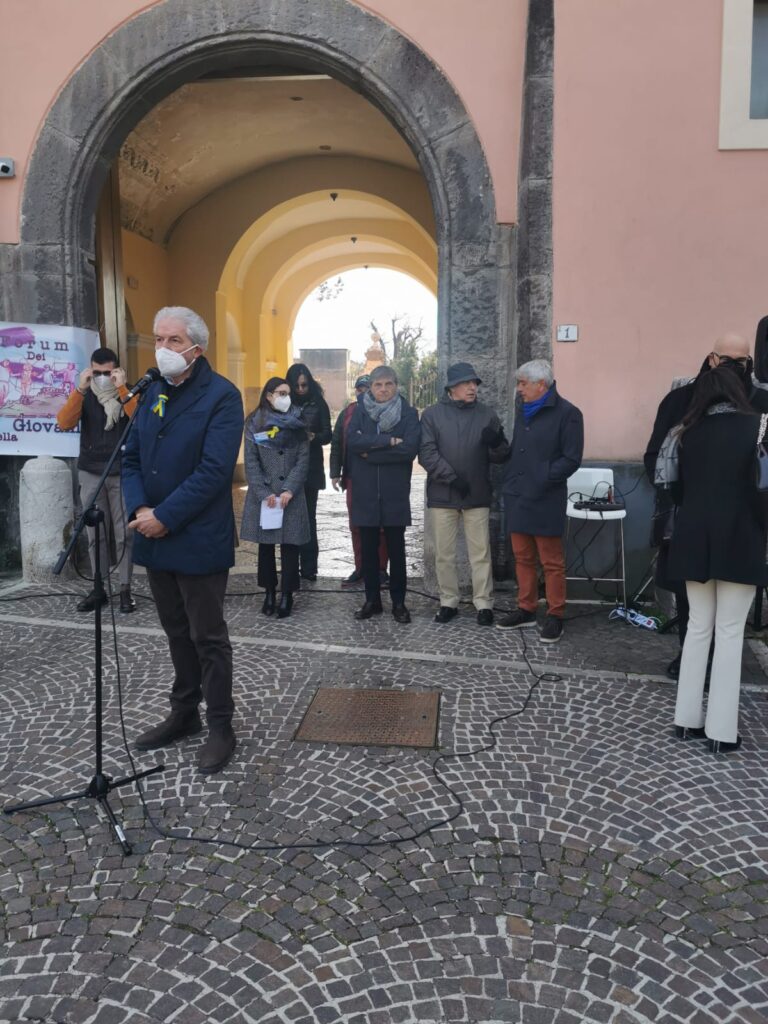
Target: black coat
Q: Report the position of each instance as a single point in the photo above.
(544, 453)
(720, 531)
(381, 481)
(317, 417)
(672, 408)
(451, 446)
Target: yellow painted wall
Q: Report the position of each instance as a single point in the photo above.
(148, 264)
(210, 238)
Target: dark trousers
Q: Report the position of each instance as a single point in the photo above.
(289, 567)
(398, 579)
(308, 552)
(191, 611)
(357, 544)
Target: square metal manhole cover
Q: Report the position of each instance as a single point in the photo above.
(371, 718)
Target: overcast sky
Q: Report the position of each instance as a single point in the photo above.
(367, 295)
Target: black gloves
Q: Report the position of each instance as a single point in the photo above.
(492, 438)
(462, 486)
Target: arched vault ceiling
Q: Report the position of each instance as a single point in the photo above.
(208, 133)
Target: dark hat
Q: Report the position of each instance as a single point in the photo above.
(460, 372)
(363, 381)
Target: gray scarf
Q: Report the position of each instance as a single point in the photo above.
(386, 414)
(109, 403)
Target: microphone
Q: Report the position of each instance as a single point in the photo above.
(149, 377)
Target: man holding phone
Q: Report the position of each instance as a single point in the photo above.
(94, 404)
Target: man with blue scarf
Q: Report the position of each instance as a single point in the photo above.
(547, 447)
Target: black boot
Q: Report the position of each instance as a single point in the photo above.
(217, 751)
(89, 602)
(268, 608)
(684, 732)
(722, 746)
(400, 613)
(369, 608)
(175, 727)
(127, 603)
(284, 608)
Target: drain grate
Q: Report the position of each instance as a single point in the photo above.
(371, 718)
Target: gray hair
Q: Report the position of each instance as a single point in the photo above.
(536, 369)
(383, 373)
(194, 324)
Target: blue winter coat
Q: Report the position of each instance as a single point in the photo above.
(181, 464)
(544, 453)
(381, 482)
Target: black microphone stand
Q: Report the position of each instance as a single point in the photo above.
(101, 785)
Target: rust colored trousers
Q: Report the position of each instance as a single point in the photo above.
(528, 550)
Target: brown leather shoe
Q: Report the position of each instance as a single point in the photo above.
(217, 750)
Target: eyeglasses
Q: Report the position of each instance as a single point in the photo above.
(101, 373)
(741, 361)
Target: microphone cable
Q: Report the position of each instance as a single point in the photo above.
(166, 833)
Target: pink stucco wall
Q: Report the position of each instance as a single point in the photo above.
(659, 238)
(43, 41)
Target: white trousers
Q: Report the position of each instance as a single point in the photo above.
(722, 608)
(445, 526)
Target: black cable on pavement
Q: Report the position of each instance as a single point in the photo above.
(164, 833)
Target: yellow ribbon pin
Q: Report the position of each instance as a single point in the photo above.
(159, 406)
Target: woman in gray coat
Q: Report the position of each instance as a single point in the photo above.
(276, 467)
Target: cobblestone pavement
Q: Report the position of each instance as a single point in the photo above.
(598, 869)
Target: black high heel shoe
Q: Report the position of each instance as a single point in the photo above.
(284, 608)
(268, 608)
(684, 732)
(722, 747)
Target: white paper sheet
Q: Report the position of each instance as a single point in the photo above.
(271, 518)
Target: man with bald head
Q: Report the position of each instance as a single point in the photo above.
(732, 351)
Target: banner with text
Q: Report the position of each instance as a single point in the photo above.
(39, 368)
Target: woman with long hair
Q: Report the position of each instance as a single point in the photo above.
(718, 549)
(276, 466)
(307, 396)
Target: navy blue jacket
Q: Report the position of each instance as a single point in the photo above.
(181, 465)
(544, 453)
(381, 482)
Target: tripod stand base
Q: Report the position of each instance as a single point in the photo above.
(98, 789)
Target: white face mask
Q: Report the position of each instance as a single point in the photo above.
(170, 363)
(281, 402)
(100, 383)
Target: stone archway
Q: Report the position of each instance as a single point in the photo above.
(49, 276)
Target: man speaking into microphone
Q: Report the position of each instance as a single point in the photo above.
(177, 482)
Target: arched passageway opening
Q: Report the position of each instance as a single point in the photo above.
(178, 45)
